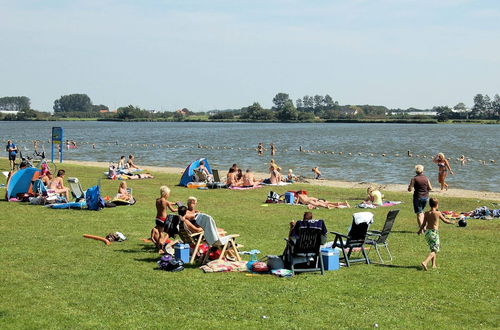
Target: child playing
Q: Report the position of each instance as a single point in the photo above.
(158, 235)
(374, 196)
(317, 173)
(431, 224)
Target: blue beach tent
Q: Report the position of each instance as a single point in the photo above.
(20, 182)
(188, 175)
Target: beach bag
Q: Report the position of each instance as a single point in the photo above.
(93, 199)
(273, 197)
(275, 262)
(170, 264)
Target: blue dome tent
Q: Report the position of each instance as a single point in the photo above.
(188, 175)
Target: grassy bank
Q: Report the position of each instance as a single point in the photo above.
(52, 277)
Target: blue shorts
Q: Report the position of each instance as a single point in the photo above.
(419, 204)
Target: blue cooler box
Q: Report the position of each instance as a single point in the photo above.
(182, 252)
(289, 197)
(330, 258)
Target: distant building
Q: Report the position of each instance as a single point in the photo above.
(184, 112)
(9, 112)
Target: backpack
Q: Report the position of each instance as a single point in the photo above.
(273, 197)
(168, 263)
(93, 199)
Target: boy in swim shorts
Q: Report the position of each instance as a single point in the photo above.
(158, 235)
(431, 226)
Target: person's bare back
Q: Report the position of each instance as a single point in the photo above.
(432, 217)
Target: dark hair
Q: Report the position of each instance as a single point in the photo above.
(61, 172)
(433, 202)
(122, 157)
(130, 156)
(182, 210)
(307, 216)
(249, 170)
(231, 170)
(202, 163)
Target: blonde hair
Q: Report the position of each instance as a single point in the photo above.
(164, 191)
(370, 189)
(419, 169)
(123, 184)
(192, 199)
(441, 155)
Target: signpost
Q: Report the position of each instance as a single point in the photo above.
(57, 138)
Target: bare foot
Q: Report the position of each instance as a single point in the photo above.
(424, 266)
(434, 267)
(347, 204)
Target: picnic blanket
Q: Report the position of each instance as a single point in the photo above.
(276, 184)
(372, 206)
(217, 266)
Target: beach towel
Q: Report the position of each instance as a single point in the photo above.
(245, 188)
(207, 223)
(224, 266)
(363, 217)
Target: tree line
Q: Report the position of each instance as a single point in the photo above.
(306, 108)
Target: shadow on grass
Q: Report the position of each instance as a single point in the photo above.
(398, 266)
(403, 232)
(148, 259)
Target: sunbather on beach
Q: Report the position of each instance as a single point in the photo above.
(123, 193)
(249, 179)
(275, 177)
(122, 164)
(231, 179)
(130, 162)
(57, 184)
(129, 176)
(313, 202)
(374, 196)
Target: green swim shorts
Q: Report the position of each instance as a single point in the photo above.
(432, 239)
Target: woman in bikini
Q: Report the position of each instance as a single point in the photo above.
(443, 167)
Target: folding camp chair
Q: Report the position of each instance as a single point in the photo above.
(226, 243)
(193, 239)
(217, 182)
(215, 173)
(304, 250)
(355, 239)
(379, 238)
(76, 188)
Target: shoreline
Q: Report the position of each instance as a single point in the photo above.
(400, 188)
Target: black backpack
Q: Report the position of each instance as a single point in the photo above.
(170, 264)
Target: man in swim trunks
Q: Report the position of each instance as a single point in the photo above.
(431, 227)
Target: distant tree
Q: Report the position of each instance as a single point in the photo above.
(288, 111)
(99, 107)
(73, 103)
(178, 116)
(131, 112)
(256, 112)
(222, 115)
(495, 105)
(443, 112)
(299, 104)
(14, 103)
(308, 102)
(318, 102)
(306, 116)
(460, 107)
(280, 100)
(328, 100)
(479, 108)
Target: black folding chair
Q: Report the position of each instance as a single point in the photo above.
(355, 239)
(379, 238)
(304, 251)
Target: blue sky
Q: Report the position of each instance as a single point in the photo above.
(218, 54)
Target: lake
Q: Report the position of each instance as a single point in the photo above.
(350, 152)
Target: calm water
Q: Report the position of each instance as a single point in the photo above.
(176, 144)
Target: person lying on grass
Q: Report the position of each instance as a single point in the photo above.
(313, 202)
(431, 227)
(158, 234)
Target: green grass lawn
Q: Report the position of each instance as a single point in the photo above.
(52, 277)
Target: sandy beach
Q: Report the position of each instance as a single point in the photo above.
(402, 188)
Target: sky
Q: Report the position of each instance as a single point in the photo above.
(220, 54)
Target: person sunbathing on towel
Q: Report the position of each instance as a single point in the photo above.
(231, 180)
(123, 193)
(275, 175)
(130, 162)
(249, 179)
(313, 202)
(57, 185)
(129, 176)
